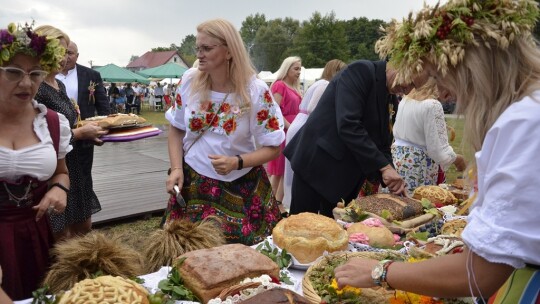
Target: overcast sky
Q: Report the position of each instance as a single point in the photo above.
(111, 31)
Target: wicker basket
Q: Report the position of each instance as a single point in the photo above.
(309, 291)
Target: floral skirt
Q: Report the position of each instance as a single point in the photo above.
(246, 206)
(415, 166)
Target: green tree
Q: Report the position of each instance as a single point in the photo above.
(249, 29)
(133, 58)
(362, 34)
(272, 42)
(187, 49)
(320, 39)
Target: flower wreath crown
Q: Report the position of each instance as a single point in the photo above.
(23, 39)
(440, 34)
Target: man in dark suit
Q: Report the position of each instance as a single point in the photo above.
(80, 81)
(347, 139)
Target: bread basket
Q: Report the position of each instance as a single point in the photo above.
(311, 294)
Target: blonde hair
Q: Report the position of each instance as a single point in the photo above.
(241, 69)
(331, 68)
(427, 91)
(53, 32)
(284, 69)
(489, 80)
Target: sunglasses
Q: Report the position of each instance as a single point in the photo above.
(16, 74)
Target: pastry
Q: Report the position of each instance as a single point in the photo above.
(106, 290)
(437, 195)
(378, 235)
(454, 227)
(308, 235)
(206, 272)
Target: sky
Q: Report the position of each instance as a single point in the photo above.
(111, 31)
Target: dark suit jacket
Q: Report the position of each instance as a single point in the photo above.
(346, 138)
(87, 107)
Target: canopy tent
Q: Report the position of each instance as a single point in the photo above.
(167, 70)
(114, 73)
(307, 76)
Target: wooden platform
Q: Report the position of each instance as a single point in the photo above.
(129, 177)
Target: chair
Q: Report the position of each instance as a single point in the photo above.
(158, 103)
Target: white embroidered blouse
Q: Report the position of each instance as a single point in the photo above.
(231, 130)
(503, 225)
(38, 160)
(422, 124)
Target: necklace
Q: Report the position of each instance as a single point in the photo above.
(18, 199)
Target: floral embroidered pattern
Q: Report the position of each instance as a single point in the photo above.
(223, 116)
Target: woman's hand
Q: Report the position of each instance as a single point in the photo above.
(175, 178)
(54, 200)
(460, 163)
(91, 131)
(224, 164)
(355, 273)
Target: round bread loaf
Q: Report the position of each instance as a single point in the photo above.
(435, 194)
(308, 235)
(380, 237)
(106, 289)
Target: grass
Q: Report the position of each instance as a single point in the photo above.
(457, 124)
(154, 117)
(149, 223)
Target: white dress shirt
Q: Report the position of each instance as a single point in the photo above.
(71, 82)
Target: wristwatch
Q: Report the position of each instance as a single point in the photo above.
(378, 274)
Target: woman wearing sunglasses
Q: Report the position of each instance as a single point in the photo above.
(33, 145)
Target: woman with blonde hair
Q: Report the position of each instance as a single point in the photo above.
(222, 111)
(489, 63)
(421, 140)
(82, 200)
(308, 104)
(286, 92)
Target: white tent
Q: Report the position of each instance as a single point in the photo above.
(307, 76)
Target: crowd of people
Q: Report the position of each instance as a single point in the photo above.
(240, 148)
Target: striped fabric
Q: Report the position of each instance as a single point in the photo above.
(522, 287)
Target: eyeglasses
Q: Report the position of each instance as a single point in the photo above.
(205, 48)
(16, 74)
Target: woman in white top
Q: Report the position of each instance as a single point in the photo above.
(222, 112)
(33, 173)
(495, 79)
(308, 104)
(421, 139)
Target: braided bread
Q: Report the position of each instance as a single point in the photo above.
(106, 290)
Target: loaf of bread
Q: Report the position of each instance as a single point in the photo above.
(207, 272)
(378, 236)
(437, 195)
(277, 295)
(115, 120)
(308, 235)
(400, 208)
(104, 290)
